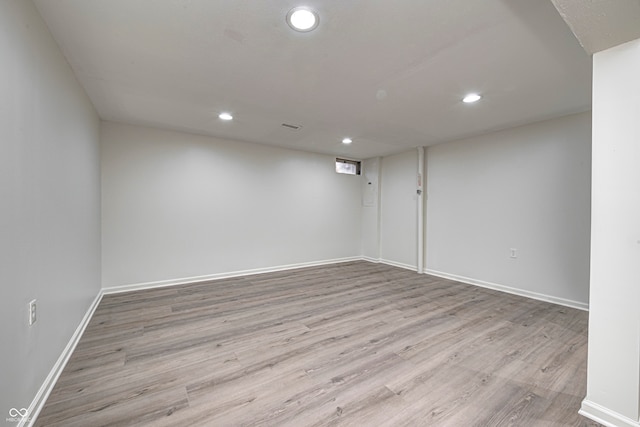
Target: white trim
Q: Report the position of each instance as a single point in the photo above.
(41, 396)
(391, 263)
(510, 290)
(605, 416)
(399, 264)
(197, 279)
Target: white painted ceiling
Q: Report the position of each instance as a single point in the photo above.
(389, 74)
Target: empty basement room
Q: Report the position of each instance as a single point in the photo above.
(358, 213)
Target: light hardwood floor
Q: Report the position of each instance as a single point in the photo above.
(354, 344)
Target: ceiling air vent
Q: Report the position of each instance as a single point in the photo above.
(291, 127)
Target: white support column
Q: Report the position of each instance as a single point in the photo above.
(370, 219)
(613, 380)
(420, 205)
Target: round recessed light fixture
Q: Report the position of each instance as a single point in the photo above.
(303, 19)
(347, 140)
(471, 98)
(225, 116)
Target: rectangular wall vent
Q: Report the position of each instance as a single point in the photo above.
(292, 127)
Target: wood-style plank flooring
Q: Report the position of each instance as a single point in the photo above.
(353, 344)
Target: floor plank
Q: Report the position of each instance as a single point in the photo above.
(349, 344)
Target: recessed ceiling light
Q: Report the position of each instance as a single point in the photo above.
(471, 97)
(303, 19)
(225, 116)
(347, 141)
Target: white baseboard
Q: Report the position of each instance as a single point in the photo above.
(510, 290)
(399, 264)
(41, 396)
(196, 279)
(389, 262)
(605, 416)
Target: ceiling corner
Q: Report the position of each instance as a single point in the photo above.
(599, 25)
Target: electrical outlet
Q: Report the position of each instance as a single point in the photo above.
(513, 253)
(32, 312)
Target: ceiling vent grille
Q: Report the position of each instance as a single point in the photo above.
(291, 127)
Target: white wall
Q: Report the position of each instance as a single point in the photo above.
(178, 206)
(613, 385)
(50, 203)
(526, 188)
(398, 211)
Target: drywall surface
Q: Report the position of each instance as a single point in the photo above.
(613, 382)
(399, 212)
(50, 203)
(527, 189)
(178, 205)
